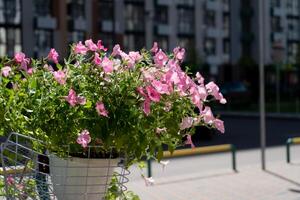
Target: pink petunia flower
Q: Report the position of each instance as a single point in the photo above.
(189, 141)
(154, 49)
(153, 94)
(10, 180)
(160, 87)
(80, 100)
(179, 53)
(5, 71)
(100, 108)
(135, 56)
(199, 78)
(80, 48)
(20, 57)
(116, 50)
(84, 138)
(91, 45)
(72, 98)
(208, 116)
(100, 46)
(186, 122)
(146, 106)
(30, 71)
(108, 65)
(60, 77)
(160, 58)
(160, 130)
(140, 90)
(219, 124)
(97, 59)
(53, 55)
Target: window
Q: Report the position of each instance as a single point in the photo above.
(276, 24)
(75, 36)
(43, 42)
(106, 10)
(185, 21)
(76, 9)
(10, 41)
(134, 17)
(226, 22)
(210, 18)
(10, 11)
(226, 46)
(161, 14)
(10, 31)
(210, 46)
(43, 7)
(292, 3)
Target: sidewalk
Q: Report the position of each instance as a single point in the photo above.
(211, 178)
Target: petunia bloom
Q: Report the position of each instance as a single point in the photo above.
(10, 180)
(154, 49)
(153, 94)
(189, 141)
(179, 53)
(186, 122)
(53, 55)
(91, 45)
(100, 108)
(146, 106)
(108, 65)
(116, 50)
(20, 57)
(160, 58)
(73, 99)
(5, 71)
(97, 59)
(219, 124)
(84, 138)
(60, 77)
(80, 48)
(100, 46)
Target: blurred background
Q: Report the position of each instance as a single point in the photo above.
(221, 38)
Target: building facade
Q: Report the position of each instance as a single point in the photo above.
(216, 31)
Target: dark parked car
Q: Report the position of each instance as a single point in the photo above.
(236, 93)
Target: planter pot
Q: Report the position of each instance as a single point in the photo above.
(81, 178)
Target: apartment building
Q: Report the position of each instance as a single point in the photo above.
(217, 31)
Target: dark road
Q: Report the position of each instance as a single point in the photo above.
(244, 132)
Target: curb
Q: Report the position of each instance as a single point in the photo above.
(256, 115)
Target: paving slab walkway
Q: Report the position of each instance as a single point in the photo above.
(211, 178)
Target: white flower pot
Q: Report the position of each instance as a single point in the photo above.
(81, 178)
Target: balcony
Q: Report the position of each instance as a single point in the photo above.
(277, 36)
(80, 24)
(277, 12)
(46, 22)
(293, 35)
(293, 11)
(213, 32)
